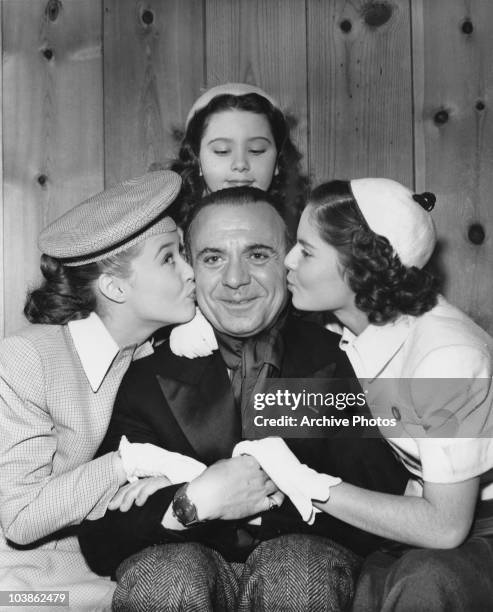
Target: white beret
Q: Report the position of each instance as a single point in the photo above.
(231, 89)
(391, 210)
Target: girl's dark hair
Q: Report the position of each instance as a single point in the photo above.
(67, 292)
(289, 186)
(383, 286)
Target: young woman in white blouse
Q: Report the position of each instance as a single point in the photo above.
(361, 250)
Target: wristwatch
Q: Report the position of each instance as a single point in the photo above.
(183, 508)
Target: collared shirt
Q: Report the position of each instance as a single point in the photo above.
(97, 349)
(432, 375)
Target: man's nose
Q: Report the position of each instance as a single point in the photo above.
(236, 273)
(240, 161)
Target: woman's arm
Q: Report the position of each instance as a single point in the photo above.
(440, 519)
(34, 501)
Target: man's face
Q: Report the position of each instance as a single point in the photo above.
(237, 254)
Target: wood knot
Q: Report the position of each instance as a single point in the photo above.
(375, 14)
(467, 27)
(346, 26)
(441, 117)
(53, 9)
(476, 233)
(147, 17)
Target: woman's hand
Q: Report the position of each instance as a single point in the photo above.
(232, 489)
(137, 492)
(142, 460)
(299, 482)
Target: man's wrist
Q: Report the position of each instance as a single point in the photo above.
(184, 508)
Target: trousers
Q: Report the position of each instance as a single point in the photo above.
(288, 573)
(414, 579)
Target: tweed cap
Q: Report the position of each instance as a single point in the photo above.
(231, 89)
(112, 220)
(392, 210)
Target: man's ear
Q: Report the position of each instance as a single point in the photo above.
(112, 288)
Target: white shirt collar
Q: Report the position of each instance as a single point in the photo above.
(375, 347)
(95, 346)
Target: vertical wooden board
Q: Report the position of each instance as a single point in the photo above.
(262, 42)
(52, 109)
(454, 145)
(360, 89)
(2, 262)
(153, 66)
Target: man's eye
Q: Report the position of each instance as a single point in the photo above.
(259, 256)
(211, 259)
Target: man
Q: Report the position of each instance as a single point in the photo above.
(237, 242)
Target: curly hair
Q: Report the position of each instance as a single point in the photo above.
(289, 186)
(67, 292)
(384, 288)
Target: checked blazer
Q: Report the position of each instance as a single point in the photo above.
(187, 406)
(51, 424)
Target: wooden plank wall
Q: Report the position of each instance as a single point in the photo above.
(454, 142)
(360, 90)
(2, 265)
(397, 88)
(153, 70)
(53, 127)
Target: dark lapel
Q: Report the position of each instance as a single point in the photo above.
(199, 395)
(312, 352)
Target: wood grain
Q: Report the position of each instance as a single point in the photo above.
(92, 90)
(53, 132)
(3, 286)
(360, 89)
(263, 43)
(153, 67)
(454, 141)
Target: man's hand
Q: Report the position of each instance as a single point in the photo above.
(137, 492)
(232, 489)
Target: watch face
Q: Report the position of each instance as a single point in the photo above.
(183, 508)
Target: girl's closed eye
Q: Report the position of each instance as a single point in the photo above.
(169, 258)
(221, 151)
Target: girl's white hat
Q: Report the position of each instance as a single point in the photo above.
(227, 89)
(395, 212)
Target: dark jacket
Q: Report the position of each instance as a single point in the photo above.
(187, 406)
